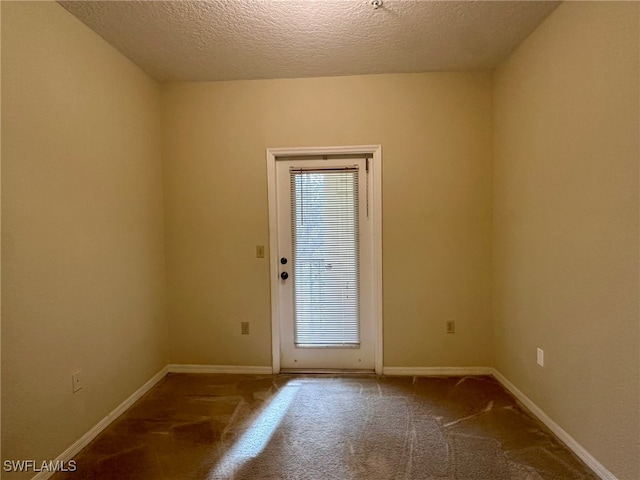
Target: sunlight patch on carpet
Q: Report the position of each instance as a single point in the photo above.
(257, 436)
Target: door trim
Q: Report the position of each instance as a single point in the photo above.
(375, 192)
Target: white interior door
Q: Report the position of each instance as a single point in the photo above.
(325, 264)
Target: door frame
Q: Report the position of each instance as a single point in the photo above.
(375, 202)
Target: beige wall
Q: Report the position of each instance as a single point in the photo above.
(436, 133)
(566, 237)
(82, 246)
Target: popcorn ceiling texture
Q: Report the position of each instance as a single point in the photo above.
(257, 39)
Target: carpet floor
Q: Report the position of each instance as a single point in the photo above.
(342, 427)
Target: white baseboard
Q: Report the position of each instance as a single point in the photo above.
(83, 441)
(436, 371)
(569, 441)
(238, 369)
(574, 446)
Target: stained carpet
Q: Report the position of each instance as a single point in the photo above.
(342, 427)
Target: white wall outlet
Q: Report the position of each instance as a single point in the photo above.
(259, 251)
(540, 354)
(76, 381)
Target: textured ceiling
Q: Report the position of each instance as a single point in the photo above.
(250, 39)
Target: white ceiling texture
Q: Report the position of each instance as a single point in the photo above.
(257, 39)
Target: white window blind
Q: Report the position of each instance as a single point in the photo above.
(325, 260)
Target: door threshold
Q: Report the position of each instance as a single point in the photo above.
(328, 371)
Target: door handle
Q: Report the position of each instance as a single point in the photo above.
(284, 275)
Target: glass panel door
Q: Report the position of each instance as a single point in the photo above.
(325, 257)
(325, 279)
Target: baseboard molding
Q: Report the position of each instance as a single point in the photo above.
(567, 439)
(238, 369)
(83, 441)
(574, 446)
(436, 371)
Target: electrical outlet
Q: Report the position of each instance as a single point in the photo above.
(259, 251)
(76, 382)
(540, 355)
(244, 328)
(451, 326)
